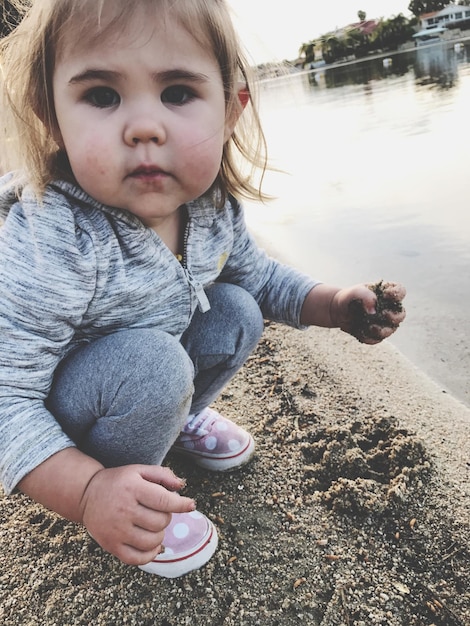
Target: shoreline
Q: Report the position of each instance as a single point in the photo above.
(437, 362)
(438, 417)
(378, 55)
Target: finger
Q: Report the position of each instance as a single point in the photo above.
(150, 520)
(157, 498)
(376, 333)
(368, 301)
(394, 291)
(162, 476)
(144, 540)
(394, 318)
(133, 556)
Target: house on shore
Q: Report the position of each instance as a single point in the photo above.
(434, 26)
(451, 14)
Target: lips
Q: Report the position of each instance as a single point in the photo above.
(148, 172)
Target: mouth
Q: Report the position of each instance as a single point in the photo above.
(148, 173)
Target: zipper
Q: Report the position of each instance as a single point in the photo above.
(202, 299)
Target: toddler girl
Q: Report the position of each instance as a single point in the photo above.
(131, 289)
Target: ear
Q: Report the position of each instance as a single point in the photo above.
(49, 120)
(57, 136)
(243, 96)
(53, 128)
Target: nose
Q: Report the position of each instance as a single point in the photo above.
(144, 129)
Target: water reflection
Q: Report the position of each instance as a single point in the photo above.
(436, 64)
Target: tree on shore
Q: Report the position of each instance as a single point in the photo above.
(388, 35)
(357, 43)
(392, 33)
(418, 7)
(333, 48)
(361, 16)
(307, 50)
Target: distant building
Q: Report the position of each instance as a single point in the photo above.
(366, 27)
(434, 26)
(451, 14)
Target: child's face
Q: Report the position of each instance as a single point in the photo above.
(142, 119)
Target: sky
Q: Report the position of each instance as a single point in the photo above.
(273, 31)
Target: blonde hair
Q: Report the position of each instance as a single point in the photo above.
(28, 55)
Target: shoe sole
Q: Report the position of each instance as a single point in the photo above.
(169, 567)
(223, 463)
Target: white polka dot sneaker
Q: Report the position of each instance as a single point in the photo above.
(189, 542)
(214, 442)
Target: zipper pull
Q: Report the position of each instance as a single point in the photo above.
(203, 300)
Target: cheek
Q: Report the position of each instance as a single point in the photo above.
(88, 156)
(203, 153)
(92, 168)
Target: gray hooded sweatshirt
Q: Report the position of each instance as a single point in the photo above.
(73, 270)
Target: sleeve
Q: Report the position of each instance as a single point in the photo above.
(47, 278)
(280, 290)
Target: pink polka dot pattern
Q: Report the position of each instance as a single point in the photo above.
(189, 542)
(214, 442)
(183, 531)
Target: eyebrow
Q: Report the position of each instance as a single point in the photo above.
(93, 74)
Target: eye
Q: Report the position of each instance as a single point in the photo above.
(102, 97)
(178, 95)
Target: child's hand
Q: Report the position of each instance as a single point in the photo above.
(126, 509)
(370, 313)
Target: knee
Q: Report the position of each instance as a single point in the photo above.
(239, 308)
(135, 363)
(158, 358)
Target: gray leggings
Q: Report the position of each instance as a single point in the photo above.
(124, 398)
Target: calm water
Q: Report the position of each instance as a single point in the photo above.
(377, 187)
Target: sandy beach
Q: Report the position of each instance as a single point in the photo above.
(355, 509)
